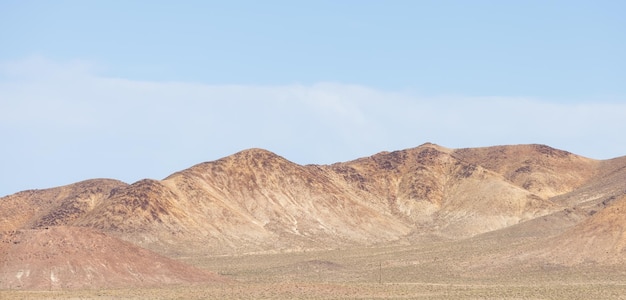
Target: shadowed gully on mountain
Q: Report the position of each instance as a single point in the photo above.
(256, 201)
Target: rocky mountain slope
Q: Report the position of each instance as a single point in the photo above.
(257, 201)
(73, 257)
(601, 238)
(55, 206)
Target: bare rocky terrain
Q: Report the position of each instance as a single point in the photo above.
(63, 257)
(514, 219)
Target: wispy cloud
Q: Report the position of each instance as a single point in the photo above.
(62, 122)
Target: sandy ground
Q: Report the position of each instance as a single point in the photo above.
(395, 272)
(343, 291)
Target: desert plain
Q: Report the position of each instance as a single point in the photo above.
(501, 222)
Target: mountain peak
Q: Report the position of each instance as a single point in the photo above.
(431, 145)
(252, 156)
(255, 152)
(277, 200)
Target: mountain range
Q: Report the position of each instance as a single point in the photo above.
(256, 201)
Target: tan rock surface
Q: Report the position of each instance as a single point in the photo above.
(549, 204)
(73, 257)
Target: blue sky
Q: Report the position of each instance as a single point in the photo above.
(136, 89)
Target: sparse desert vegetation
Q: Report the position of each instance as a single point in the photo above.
(506, 222)
(430, 271)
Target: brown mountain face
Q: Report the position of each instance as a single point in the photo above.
(257, 201)
(442, 192)
(61, 205)
(72, 257)
(601, 238)
(544, 171)
(251, 201)
(571, 237)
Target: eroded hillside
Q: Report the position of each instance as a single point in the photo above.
(256, 201)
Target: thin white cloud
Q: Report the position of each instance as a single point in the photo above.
(64, 122)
